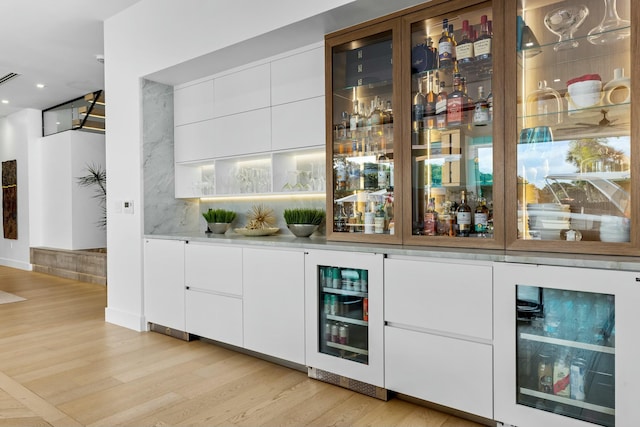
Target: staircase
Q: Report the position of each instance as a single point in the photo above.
(91, 116)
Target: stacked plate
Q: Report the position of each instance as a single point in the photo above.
(614, 228)
(549, 219)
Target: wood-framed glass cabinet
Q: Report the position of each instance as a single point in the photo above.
(571, 161)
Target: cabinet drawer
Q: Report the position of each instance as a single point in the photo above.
(298, 77)
(216, 317)
(214, 268)
(446, 371)
(244, 90)
(193, 103)
(448, 297)
(298, 124)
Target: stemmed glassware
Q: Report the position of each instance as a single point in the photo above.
(563, 22)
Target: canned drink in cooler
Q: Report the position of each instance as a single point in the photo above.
(577, 378)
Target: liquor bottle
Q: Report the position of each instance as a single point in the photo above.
(430, 105)
(441, 107)
(418, 108)
(341, 174)
(354, 119)
(463, 216)
(430, 218)
(482, 46)
(445, 46)
(340, 219)
(455, 102)
(464, 49)
(481, 217)
(432, 54)
(468, 103)
(481, 111)
(490, 104)
(454, 44)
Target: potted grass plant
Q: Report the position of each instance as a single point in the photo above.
(302, 222)
(219, 220)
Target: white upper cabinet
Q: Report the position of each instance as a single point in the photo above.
(243, 133)
(298, 124)
(242, 91)
(194, 141)
(193, 103)
(298, 76)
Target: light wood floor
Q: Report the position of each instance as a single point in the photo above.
(62, 365)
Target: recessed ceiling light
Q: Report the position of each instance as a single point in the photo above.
(5, 101)
(41, 85)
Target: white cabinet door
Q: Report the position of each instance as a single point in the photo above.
(519, 344)
(193, 103)
(194, 141)
(274, 303)
(298, 76)
(242, 91)
(213, 268)
(243, 133)
(442, 370)
(298, 124)
(164, 283)
(216, 317)
(440, 296)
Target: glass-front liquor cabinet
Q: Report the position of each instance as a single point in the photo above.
(572, 143)
(363, 142)
(454, 189)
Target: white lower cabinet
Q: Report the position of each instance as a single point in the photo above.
(443, 370)
(213, 278)
(273, 301)
(439, 332)
(164, 283)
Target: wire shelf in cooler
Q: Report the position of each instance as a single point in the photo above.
(348, 348)
(568, 343)
(347, 320)
(568, 401)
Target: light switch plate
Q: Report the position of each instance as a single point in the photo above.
(127, 206)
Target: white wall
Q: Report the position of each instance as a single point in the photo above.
(68, 213)
(17, 133)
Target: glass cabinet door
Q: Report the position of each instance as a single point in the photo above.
(573, 151)
(363, 143)
(566, 353)
(452, 126)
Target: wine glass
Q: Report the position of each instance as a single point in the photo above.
(563, 22)
(612, 28)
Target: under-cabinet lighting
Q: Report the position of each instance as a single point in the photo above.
(275, 196)
(40, 86)
(5, 101)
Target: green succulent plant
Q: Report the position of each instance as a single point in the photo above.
(304, 216)
(219, 215)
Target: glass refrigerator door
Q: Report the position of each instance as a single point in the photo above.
(566, 352)
(452, 126)
(574, 124)
(363, 144)
(344, 314)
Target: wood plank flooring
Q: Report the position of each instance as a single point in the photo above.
(61, 364)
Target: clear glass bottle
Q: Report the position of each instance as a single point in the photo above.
(441, 107)
(481, 110)
(482, 46)
(418, 109)
(445, 46)
(455, 102)
(481, 217)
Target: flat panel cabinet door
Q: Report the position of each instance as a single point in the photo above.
(344, 323)
(216, 317)
(298, 77)
(274, 303)
(213, 268)
(164, 283)
(566, 350)
(194, 141)
(449, 297)
(193, 103)
(242, 91)
(243, 133)
(442, 370)
(298, 124)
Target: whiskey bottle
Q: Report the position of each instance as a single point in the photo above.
(432, 54)
(464, 49)
(354, 119)
(441, 107)
(463, 216)
(430, 105)
(482, 46)
(445, 46)
(481, 110)
(454, 45)
(456, 102)
(340, 219)
(430, 218)
(418, 109)
(481, 217)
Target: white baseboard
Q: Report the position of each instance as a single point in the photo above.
(16, 264)
(126, 320)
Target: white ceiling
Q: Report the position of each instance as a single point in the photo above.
(53, 42)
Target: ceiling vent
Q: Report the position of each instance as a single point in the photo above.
(4, 79)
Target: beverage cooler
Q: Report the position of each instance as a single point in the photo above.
(344, 319)
(566, 348)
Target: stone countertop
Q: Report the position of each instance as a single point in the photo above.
(625, 263)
